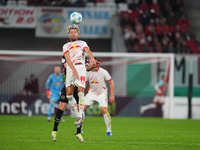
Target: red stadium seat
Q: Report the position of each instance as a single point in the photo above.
(134, 13)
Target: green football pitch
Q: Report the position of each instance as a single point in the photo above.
(32, 133)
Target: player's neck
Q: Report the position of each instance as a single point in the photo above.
(95, 69)
(73, 40)
(57, 74)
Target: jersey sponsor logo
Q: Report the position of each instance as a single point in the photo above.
(74, 47)
(95, 82)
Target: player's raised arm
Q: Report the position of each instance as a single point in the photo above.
(89, 53)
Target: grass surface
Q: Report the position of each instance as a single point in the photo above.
(31, 133)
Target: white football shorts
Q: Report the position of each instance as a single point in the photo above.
(159, 99)
(70, 79)
(101, 99)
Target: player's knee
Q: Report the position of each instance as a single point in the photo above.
(85, 107)
(155, 103)
(62, 106)
(81, 95)
(104, 110)
(81, 89)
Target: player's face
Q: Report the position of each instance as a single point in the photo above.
(73, 35)
(57, 70)
(164, 78)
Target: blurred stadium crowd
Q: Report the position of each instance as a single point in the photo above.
(147, 25)
(158, 26)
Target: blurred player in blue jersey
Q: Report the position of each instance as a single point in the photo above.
(54, 84)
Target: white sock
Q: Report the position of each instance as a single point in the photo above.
(107, 120)
(73, 105)
(149, 106)
(81, 104)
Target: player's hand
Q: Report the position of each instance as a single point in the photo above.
(92, 61)
(90, 66)
(112, 99)
(97, 64)
(48, 94)
(75, 74)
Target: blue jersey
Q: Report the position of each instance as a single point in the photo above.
(54, 84)
(160, 83)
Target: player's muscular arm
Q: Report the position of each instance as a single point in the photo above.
(112, 97)
(89, 53)
(65, 65)
(69, 62)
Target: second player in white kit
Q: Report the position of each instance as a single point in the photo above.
(98, 90)
(97, 79)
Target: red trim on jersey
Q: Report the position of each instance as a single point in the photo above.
(109, 80)
(65, 52)
(85, 47)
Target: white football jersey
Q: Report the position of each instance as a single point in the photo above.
(76, 51)
(97, 80)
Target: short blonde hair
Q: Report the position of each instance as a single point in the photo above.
(73, 27)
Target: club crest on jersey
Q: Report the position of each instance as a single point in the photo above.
(57, 83)
(95, 82)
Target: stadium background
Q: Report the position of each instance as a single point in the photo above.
(105, 28)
